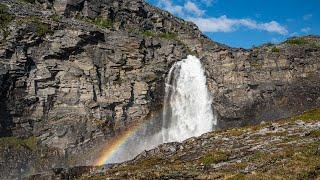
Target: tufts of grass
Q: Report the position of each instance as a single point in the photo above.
(275, 49)
(41, 28)
(310, 116)
(55, 17)
(148, 33)
(299, 41)
(215, 157)
(315, 133)
(168, 35)
(102, 22)
(36, 25)
(5, 19)
(98, 21)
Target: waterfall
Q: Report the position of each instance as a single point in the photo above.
(187, 110)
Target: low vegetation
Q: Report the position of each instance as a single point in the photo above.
(15, 142)
(304, 41)
(5, 19)
(98, 21)
(55, 17)
(148, 33)
(215, 157)
(299, 41)
(275, 49)
(168, 35)
(36, 25)
(309, 116)
(275, 154)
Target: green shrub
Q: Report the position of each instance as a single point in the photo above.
(41, 28)
(215, 157)
(102, 22)
(5, 17)
(55, 17)
(148, 33)
(98, 21)
(168, 35)
(275, 49)
(297, 41)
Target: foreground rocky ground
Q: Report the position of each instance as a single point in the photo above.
(285, 149)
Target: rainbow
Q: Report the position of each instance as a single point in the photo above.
(112, 146)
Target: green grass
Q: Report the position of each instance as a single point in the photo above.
(148, 33)
(5, 17)
(18, 142)
(41, 28)
(168, 35)
(36, 25)
(215, 157)
(313, 115)
(275, 49)
(98, 21)
(55, 17)
(102, 22)
(315, 133)
(299, 41)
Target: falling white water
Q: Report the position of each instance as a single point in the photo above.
(187, 105)
(187, 112)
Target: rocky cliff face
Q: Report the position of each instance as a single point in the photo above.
(75, 72)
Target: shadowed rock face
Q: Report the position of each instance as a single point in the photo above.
(74, 73)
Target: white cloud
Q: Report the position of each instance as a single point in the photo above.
(306, 30)
(193, 8)
(192, 12)
(189, 9)
(294, 34)
(307, 17)
(208, 2)
(172, 8)
(225, 24)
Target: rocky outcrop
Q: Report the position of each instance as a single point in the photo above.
(73, 73)
(264, 83)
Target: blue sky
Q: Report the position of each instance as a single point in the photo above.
(247, 23)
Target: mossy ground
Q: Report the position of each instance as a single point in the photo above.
(15, 142)
(303, 41)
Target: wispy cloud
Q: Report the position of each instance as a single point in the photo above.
(306, 30)
(172, 8)
(307, 17)
(192, 12)
(188, 9)
(193, 9)
(208, 2)
(225, 24)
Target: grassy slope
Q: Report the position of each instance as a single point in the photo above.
(287, 149)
